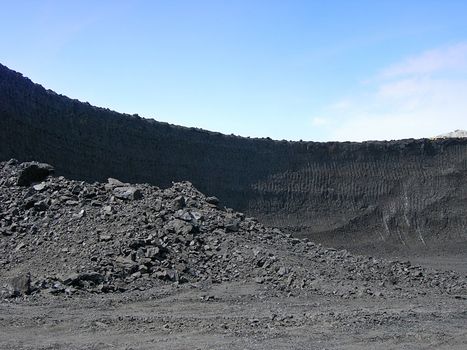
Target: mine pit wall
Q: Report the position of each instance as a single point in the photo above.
(409, 193)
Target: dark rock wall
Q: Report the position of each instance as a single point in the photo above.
(402, 193)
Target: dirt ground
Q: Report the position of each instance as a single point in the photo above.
(232, 316)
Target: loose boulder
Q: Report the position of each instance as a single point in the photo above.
(127, 193)
(34, 172)
(19, 285)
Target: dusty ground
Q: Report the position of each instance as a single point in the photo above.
(232, 316)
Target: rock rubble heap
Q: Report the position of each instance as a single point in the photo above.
(62, 236)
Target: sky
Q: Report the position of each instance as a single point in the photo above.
(311, 70)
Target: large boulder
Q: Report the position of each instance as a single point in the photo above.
(34, 172)
(127, 193)
(19, 285)
(112, 183)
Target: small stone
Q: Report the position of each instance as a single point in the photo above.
(107, 209)
(41, 206)
(212, 200)
(196, 215)
(80, 215)
(152, 252)
(76, 189)
(172, 275)
(71, 279)
(126, 263)
(161, 275)
(105, 237)
(136, 274)
(295, 241)
(39, 187)
(70, 290)
(178, 203)
(232, 226)
(180, 227)
(185, 216)
(19, 246)
(259, 280)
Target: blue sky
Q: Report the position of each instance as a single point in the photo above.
(311, 70)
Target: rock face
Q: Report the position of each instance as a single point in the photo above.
(408, 193)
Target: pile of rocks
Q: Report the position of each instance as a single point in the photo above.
(64, 236)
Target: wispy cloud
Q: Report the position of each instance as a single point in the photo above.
(433, 61)
(421, 96)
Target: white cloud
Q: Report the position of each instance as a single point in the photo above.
(421, 96)
(440, 59)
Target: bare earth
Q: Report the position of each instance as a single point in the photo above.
(233, 316)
